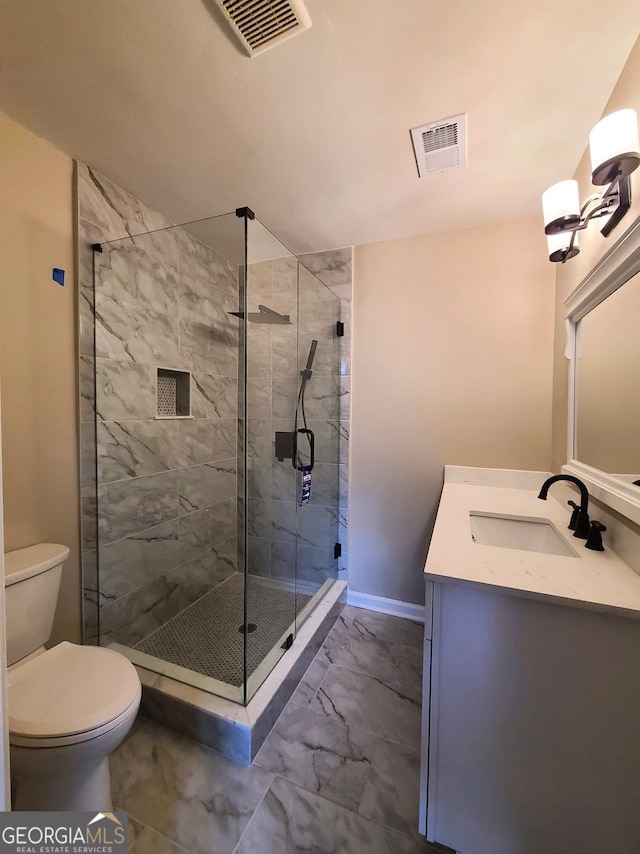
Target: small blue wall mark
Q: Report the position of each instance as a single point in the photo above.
(58, 276)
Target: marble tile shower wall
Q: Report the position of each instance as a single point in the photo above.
(278, 532)
(166, 489)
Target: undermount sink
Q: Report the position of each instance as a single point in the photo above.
(527, 533)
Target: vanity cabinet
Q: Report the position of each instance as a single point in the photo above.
(531, 731)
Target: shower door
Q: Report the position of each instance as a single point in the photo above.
(319, 521)
(293, 431)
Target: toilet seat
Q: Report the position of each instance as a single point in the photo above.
(70, 694)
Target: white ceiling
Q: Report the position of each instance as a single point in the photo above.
(314, 134)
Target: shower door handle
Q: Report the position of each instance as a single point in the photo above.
(312, 448)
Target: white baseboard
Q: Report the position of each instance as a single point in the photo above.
(386, 606)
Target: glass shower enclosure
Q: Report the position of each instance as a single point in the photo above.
(217, 392)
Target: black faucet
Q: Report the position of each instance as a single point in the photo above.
(582, 522)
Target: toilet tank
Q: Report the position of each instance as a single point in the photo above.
(32, 581)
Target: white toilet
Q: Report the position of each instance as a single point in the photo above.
(69, 706)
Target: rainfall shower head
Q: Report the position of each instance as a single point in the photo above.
(263, 315)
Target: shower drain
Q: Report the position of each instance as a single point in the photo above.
(251, 627)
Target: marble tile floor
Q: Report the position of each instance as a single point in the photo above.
(338, 774)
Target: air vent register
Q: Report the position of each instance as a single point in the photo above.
(262, 24)
(440, 145)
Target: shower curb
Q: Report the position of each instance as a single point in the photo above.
(231, 729)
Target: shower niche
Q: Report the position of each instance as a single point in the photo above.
(173, 394)
(200, 562)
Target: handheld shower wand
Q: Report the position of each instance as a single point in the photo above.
(305, 373)
(287, 442)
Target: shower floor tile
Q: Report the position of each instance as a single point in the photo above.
(205, 637)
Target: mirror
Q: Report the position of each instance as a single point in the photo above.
(607, 385)
(603, 344)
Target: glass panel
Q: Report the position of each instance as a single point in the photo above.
(318, 411)
(167, 394)
(271, 484)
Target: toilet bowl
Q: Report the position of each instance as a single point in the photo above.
(69, 706)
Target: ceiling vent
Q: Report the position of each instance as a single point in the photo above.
(440, 145)
(262, 24)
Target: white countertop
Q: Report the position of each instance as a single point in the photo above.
(598, 581)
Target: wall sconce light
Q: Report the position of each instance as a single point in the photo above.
(563, 246)
(615, 153)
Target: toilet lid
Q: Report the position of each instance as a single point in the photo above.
(68, 690)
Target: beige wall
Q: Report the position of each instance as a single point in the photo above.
(592, 247)
(452, 364)
(38, 356)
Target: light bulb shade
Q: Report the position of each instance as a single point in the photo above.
(559, 246)
(561, 207)
(614, 147)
